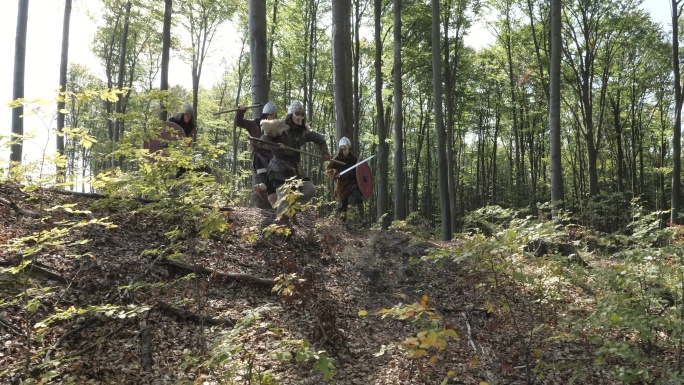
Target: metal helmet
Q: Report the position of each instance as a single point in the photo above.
(296, 106)
(344, 142)
(270, 109)
(187, 109)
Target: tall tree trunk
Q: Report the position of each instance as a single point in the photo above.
(259, 65)
(18, 81)
(63, 64)
(517, 132)
(122, 71)
(342, 76)
(399, 199)
(356, 113)
(166, 48)
(258, 54)
(554, 107)
(677, 129)
(383, 153)
(271, 43)
(442, 164)
(617, 123)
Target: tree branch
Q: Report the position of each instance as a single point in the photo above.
(230, 276)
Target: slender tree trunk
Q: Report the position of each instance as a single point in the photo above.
(442, 164)
(166, 48)
(271, 43)
(18, 82)
(342, 75)
(122, 71)
(517, 134)
(554, 107)
(399, 199)
(383, 153)
(258, 54)
(63, 64)
(617, 122)
(677, 129)
(259, 66)
(356, 115)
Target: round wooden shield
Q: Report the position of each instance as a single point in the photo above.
(163, 135)
(365, 180)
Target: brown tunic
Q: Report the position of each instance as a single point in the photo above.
(346, 184)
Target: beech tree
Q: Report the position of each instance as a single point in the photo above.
(399, 194)
(18, 82)
(201, 18)
(341, 58)
(381, 122)
(676, 7)
(166, 48)
(64, 62)
(554, 104)
(442, 163)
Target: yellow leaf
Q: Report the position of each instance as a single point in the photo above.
(537, 353)
(451, 373)
(419, 353)
(423, 301)
(433, 359)
(363, 313)
(483, 383)
(473, 362)
(63, 111)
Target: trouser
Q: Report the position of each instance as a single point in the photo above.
(306, 191)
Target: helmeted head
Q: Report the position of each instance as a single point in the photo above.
(188, 112)
(344, 145)
(344, 142)
(270, 111)
(297, 112)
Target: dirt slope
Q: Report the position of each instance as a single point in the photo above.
(164, 321)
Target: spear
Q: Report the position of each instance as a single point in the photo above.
(235, 109)
(291, 149)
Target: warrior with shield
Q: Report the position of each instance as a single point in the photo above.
(346, 184)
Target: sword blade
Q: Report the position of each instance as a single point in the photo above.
(357, 165)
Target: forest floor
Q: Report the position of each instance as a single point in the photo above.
(121, 308)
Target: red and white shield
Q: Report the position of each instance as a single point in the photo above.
(171, 132)
(364, 178)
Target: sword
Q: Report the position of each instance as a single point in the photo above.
(356, 165)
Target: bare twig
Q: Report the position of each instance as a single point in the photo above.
(145, 348)
(9, 326)
(84, 324)
(470, 337)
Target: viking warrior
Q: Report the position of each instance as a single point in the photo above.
(285, 164)
(262, 155)
(346, 186)
(186, 120)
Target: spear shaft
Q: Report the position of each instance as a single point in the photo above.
(235, 109)
(292, 149)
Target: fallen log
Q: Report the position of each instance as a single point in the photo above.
(9, 203)
(140, 199)
(229, 276)
(185, 315)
